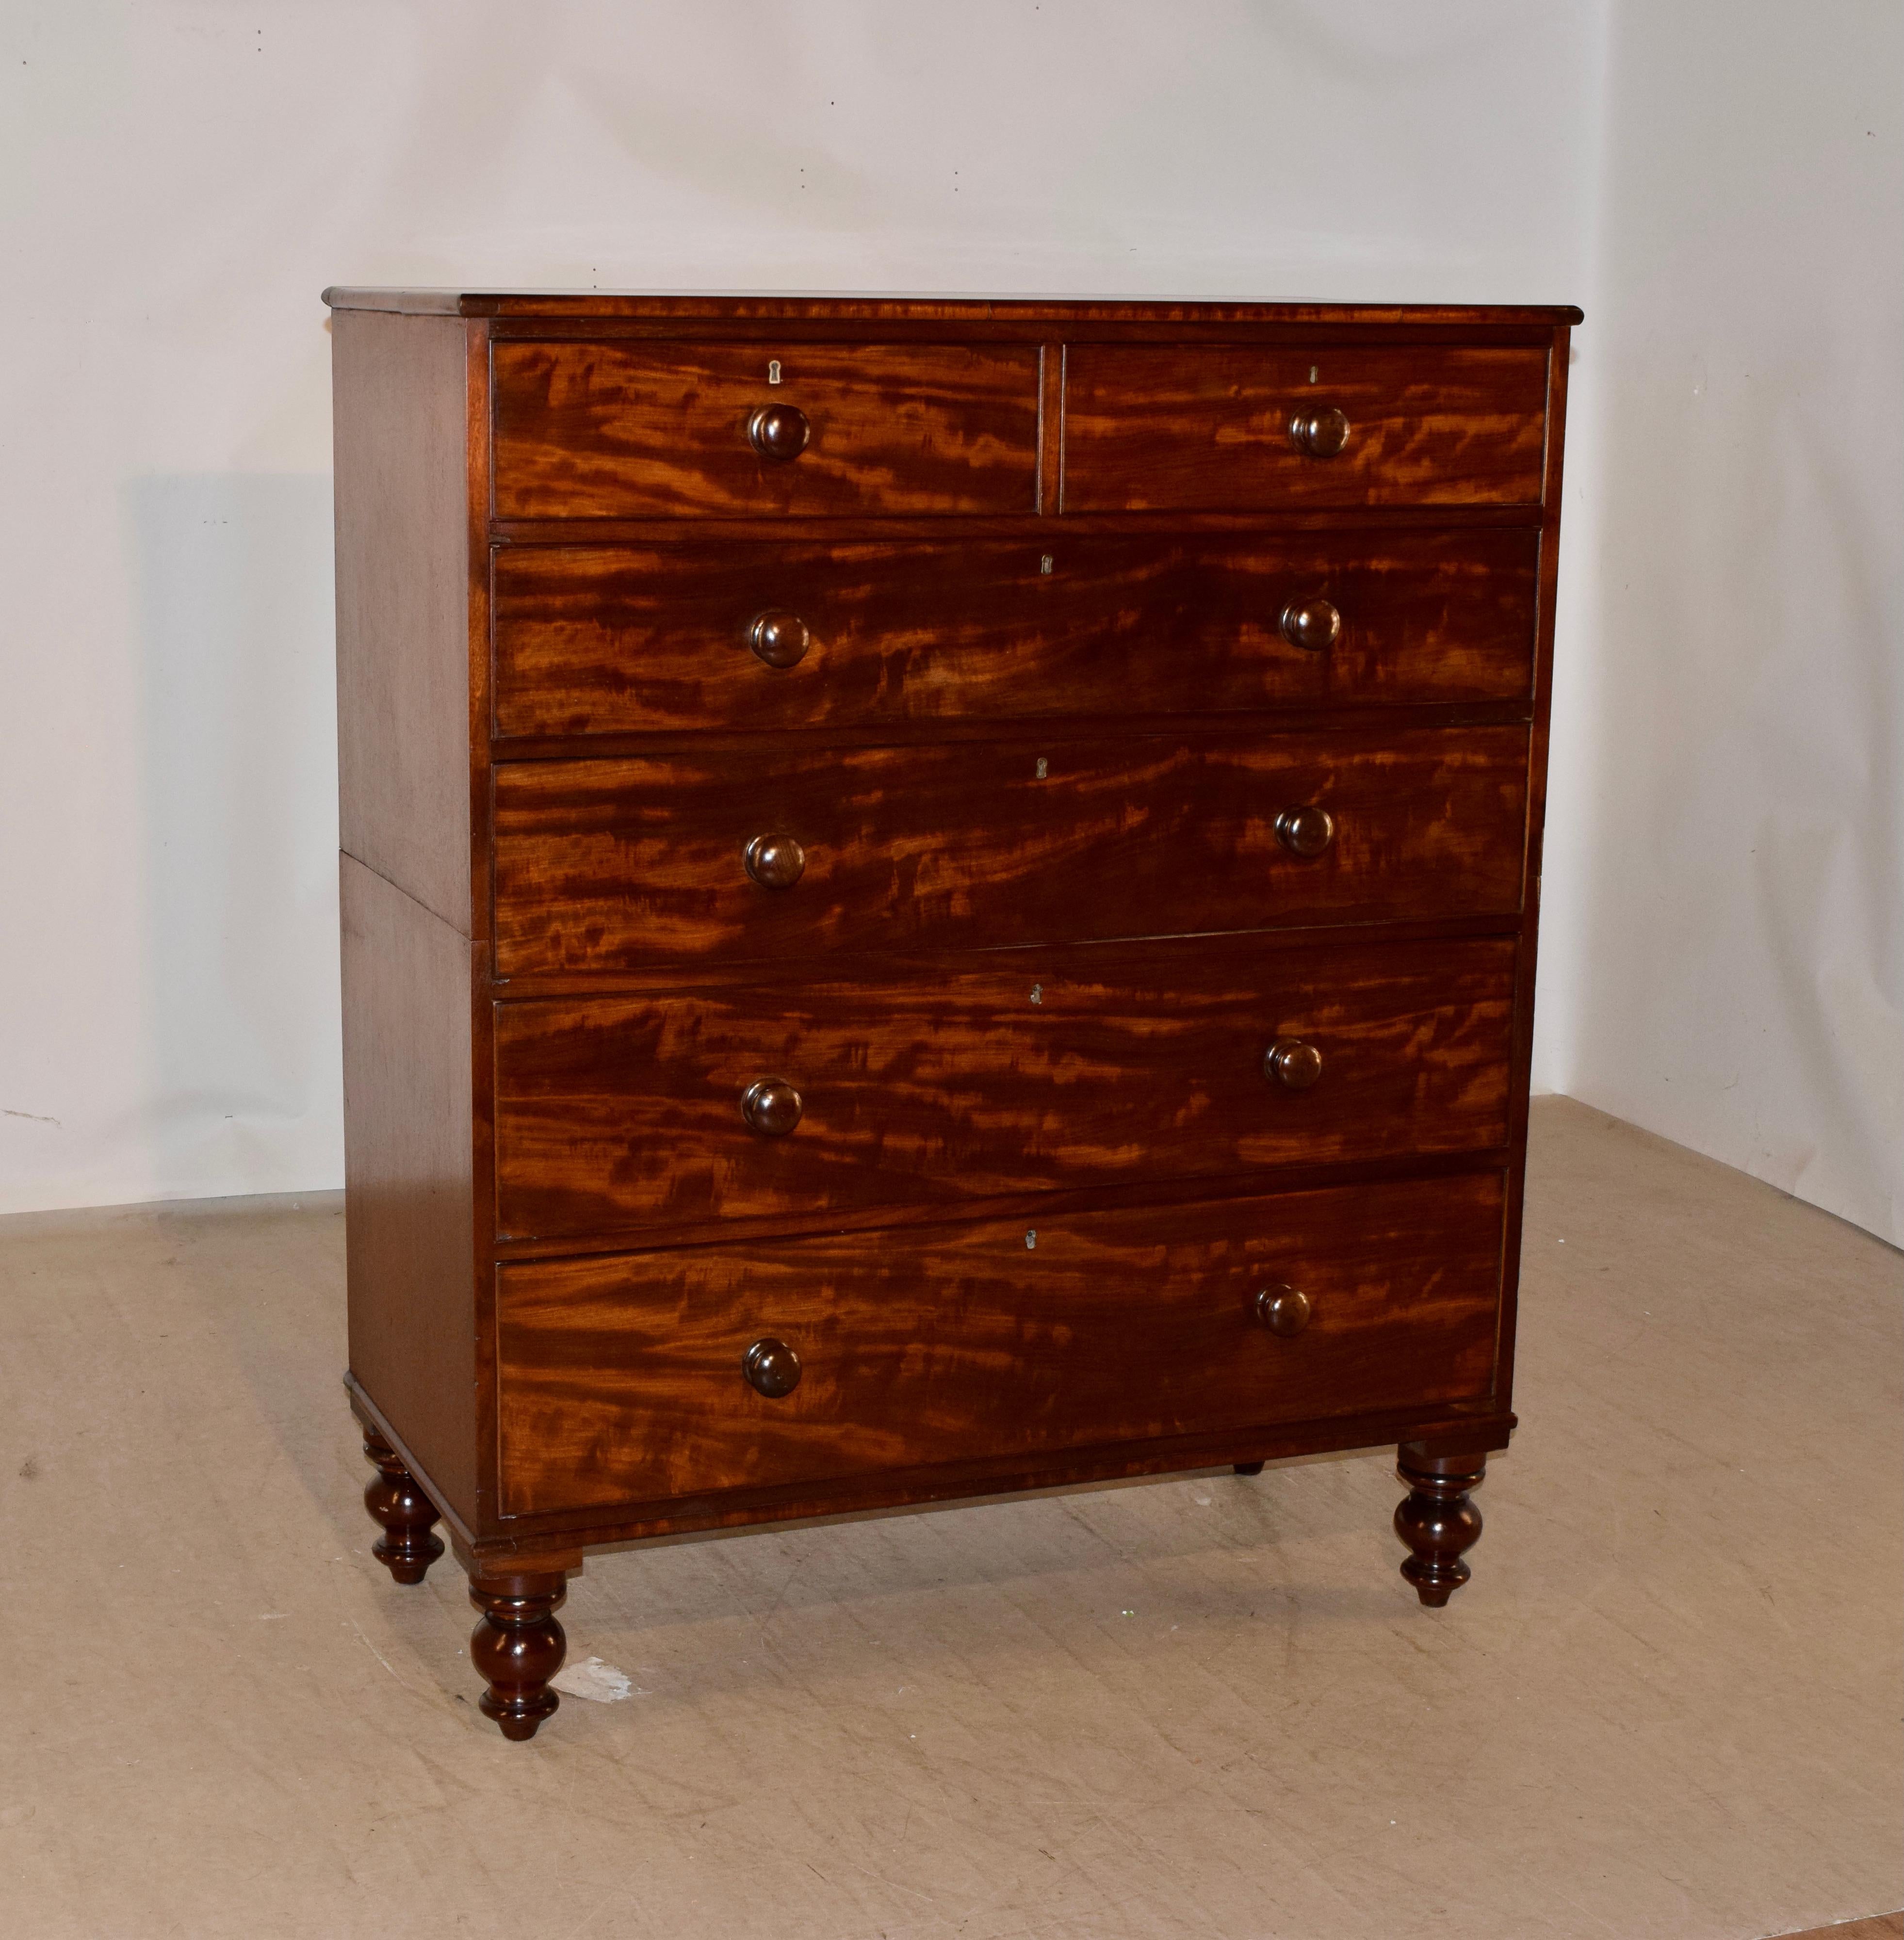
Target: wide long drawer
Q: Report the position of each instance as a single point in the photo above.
(624, 1378)
(691, 856)
(635, 430)
(602, 639)
(1046, 1069)
(1234, 429)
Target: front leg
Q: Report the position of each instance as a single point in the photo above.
(1436, 1520)
(518, 1647)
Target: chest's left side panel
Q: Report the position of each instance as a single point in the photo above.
(410, 457)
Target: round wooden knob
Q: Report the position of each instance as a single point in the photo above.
(775, 862)
(1293, 1063)
(771, 1105)
(1307, 831)
(778, 637)
(772, 1368)
(1320, 432)
(778, 432)
(1284, 1311)
(1313, 625)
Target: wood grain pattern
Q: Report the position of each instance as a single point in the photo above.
(601, 864)
(399, 413)
(621, 1382)
(1182, 429)
(1063, 1069)
(593, 639)
(608, 430)
(409, 1202)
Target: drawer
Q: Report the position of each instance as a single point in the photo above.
(621, 1379)
(1169, 429)
(604, 640)
(607, 430)
(602, 864)
(1051, 1069)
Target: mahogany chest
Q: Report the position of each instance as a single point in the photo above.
(938, 898)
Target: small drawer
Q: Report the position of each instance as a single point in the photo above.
(1184, 429)
(1053, 1069)
(624, 1379)
(606, 639)
(607, 430)
(691, 857)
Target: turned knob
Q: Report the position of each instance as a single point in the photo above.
(778, 432)
(778, 637)
(1293, 1063)
(772, 1368)
(1320, 432)
(1314, 625)
(775, 862)
(771, 1105)
(1307, 831)
(1284, 1311)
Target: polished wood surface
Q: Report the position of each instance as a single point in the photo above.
(1154, 428)
(410, 1177)
(1057, 1070)
(400, 436)
(606, 864)
(588, 431)
(939, 899)
(595, 639)
(620, 1377)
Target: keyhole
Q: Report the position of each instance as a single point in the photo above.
(1044, 768)
(773, 371)
(1038, 993)
(1031, 1241)
(1312, 374)
(1044, 562)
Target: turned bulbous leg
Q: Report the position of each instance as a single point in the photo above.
(1436, 1520)
(408, 1545)
(518, 1647)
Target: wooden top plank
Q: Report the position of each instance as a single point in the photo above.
(868, 309)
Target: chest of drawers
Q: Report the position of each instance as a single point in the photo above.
(938, 899)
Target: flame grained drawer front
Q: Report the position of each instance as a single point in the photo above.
(680, 857)
(608, 431)
(595, 639)
(620, 1377)
(1050, 1070)
(1221, 429)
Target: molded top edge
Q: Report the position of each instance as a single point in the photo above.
(927, 309)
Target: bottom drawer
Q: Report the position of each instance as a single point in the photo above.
(620, 1377)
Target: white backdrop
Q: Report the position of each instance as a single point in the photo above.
(183, 176)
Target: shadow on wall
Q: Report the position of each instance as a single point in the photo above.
(232, 575)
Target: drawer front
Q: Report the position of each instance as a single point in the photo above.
(599, 639)
(1186, 429)
(605, 431)
(620, 1378)
(1058, 1068)
(601, 864)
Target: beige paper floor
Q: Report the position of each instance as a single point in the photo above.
(1666, 1706)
